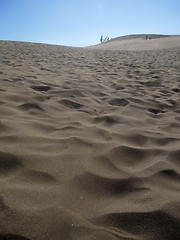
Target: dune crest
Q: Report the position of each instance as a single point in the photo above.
(141, 42)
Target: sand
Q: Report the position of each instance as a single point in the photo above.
(139, 42)
(89, 142)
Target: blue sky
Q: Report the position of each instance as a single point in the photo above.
(81, 22)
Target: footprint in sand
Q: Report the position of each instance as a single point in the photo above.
(9, 162)
(119, 102)
(41, 88)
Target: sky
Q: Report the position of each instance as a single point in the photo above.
(82, 22)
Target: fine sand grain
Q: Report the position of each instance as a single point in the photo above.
(90, 141)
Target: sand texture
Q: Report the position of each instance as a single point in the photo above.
(139, 42)
(89, 142)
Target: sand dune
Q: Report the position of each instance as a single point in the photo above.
(139, 42)
(89, 141)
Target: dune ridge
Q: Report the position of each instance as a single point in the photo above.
(89, 142)
(140, 42)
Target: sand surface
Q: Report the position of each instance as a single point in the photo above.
(139, 42)
(89, 143)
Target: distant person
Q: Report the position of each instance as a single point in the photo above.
(146, 37)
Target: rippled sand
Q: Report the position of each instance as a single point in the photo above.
(89, 143)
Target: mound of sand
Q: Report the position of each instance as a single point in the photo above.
(141, 42)
(89, 142)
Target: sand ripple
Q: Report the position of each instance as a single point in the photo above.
(89, 143)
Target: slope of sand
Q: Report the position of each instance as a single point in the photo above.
(89, 143)
(139, 42)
